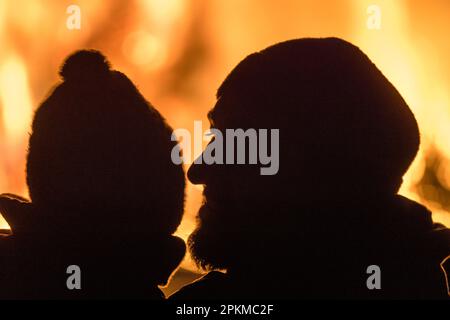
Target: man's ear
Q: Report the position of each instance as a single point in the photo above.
(174, 253)
(15, 210)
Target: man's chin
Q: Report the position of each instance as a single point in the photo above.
(208, 243)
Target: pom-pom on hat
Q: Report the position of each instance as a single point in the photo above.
(84, 65)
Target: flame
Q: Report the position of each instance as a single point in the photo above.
(17, 109)
(144, 50)
(404, 62)
(395, 55)
(3, 224)
(15, 98)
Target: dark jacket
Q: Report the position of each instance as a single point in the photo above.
(328, 258)
(114, 264)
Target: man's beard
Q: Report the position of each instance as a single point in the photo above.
(210, 243)
(227, 234)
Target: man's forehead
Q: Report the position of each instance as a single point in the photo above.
(213, 114)
(230, 111)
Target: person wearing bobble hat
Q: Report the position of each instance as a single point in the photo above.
(105, 195)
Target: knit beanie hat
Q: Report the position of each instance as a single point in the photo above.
(100, 152)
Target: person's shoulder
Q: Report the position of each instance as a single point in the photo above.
(6, 267)
(441, 233)
(438, 242)
(6, 242)
(208, 287)
(419, 227)
(436, 259)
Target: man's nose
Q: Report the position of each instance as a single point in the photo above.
(197, 172)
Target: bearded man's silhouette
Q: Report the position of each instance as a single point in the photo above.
(347, 137)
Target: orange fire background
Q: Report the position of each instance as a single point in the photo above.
(179, 51)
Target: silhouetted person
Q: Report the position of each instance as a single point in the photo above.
(105, 195)
(311, 231)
